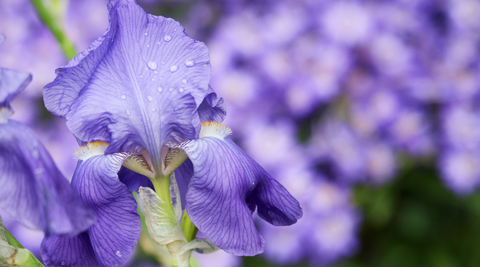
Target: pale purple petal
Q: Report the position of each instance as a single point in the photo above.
(33, 190)
(225, 180)
(183, 175)
(115, 234)
(68, 251)
(138, 85)
(11, 84)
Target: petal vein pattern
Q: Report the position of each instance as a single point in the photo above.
(122, 89)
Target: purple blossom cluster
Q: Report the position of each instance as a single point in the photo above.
(333, 93)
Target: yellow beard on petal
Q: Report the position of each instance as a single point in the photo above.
(214, 129)
(91, 149)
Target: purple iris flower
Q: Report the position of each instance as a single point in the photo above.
(32, 189)
(226, 188)
(112, 238)
(139, 85)
(144, 85)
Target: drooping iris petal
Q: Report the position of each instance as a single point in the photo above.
(117, 229)
(226, 187)
(115, 234)
(68, 251)
(137, 85)
(11, 84)
(33, 190)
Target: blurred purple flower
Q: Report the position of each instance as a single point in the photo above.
(32, 189)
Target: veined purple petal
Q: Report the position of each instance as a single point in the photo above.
(226, 187)
(33, 190)
(115, 234)
(137, 85)
(11, 84)
(68, 251)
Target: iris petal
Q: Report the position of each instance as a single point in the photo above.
(11, 84)
(115, 234)
(137, 85)
(225, 179)
(64, 251)
(32, 188)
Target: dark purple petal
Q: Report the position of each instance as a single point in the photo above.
(133, 180)
(138, 85)
(115, 234)
(33, 190)
(183, 175)
(225, 178)
(68, 251)
(11, 84)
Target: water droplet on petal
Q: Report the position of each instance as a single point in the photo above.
(141, 76)
(167, 38)
(153, 79)
(148, 45)
(159, 89)
(149, 98)
(174, 68)
(128, 112)
(118, 253)
(190, 63)
(171, 89)
(145, 34)
(181, 89)
(163, 62)
(158, 42)
(184, 81)
(123, 96)
(155, 72)
(62, 263)
(152, 65)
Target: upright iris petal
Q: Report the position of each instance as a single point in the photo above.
(32, 189)
(139, 85)
(111, 240)
(227, 186)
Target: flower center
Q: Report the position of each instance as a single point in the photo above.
(214, 129)
(91, 149)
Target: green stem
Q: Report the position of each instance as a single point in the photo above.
(53, 23)
(189, 229)
(162, 188)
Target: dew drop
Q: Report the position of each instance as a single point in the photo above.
(167, 38)
(148, 45)
(163, 62)
(155, 72)
(141, 76)
(184, 81)
(145, 34)
(190, 63)
(159, 89)
(118, 253)
(152, 65)
(173, 68)
(128, 112)
(123, 96)
(62, 263)
(149, 98)
(153, 79)
(171, 89)
(181, 90)
(158, 42)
